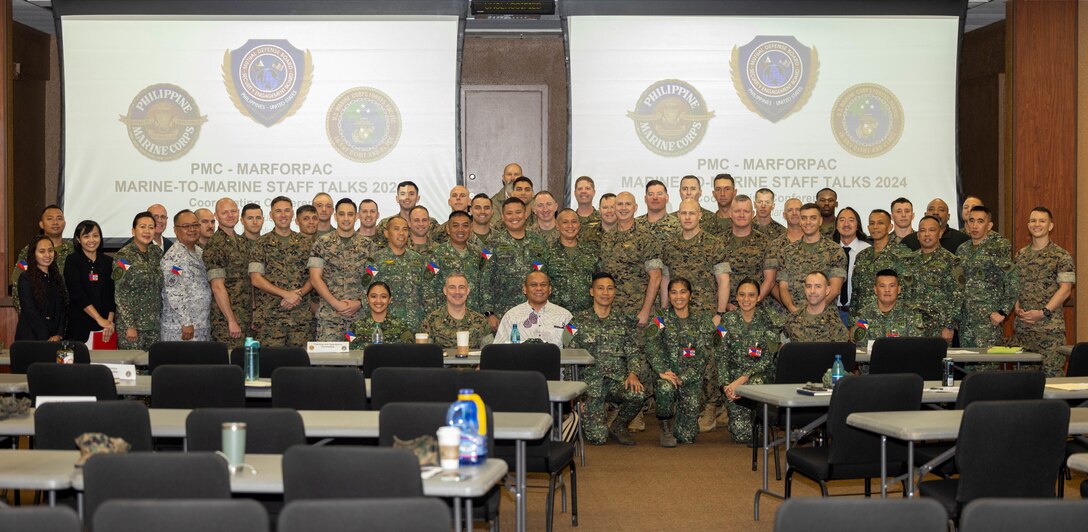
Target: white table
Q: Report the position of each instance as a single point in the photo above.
(122, 356)
(1078, 462)
(971, 355)
(38, 470)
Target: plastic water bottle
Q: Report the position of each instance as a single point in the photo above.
(252, 361)
(515, 335)
(837, 370)
(377, 338)
(469, 415)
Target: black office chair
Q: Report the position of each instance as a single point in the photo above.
(181, 515)
(854, 453)
(418, 514)
(57, 425)
(198, 386)
(348, 472)
(191, 352)
(40, 519)
(152, 476)
(401, 356)
(540, 357)
(527, 391)
(427, 385)
(27, 352)
(273, 358)
(319, 389)
(860, 515)
(268, 430)
(1004, 449)
(44, 378)
(909, 355)
(1076, 364)
(1017, 515)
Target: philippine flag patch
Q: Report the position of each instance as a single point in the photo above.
(349, 336)
(372, 271)
(721, 331)
(486, 254)
(122, 263)
(571, 328)
(862, 324)
(176, 270)
(22, 265)
(660, 322)
(432, 267)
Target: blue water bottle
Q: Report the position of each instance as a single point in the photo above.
(251, 363)
(837, 370)
(515, 335)
(469, 415)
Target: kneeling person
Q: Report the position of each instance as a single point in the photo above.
(886, 316)
(443, 323)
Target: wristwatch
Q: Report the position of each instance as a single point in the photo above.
(1003, 312)
(1047, 313)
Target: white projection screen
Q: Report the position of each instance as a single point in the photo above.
(864, 105)
(183, 110)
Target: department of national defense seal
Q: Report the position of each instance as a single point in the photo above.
(163, 122)
(774, 75)
(267, 79)
(867, 120)
(670, 117)
(363, 124)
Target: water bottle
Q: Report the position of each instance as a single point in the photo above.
(837, 370)
(515, 335)
(377, 337)
(251, 362)
(469, 415)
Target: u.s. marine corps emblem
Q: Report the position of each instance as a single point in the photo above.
(363, 124)
(774, 75)
(267, 79)
(163, 122)
(670, 117)
(867, 120)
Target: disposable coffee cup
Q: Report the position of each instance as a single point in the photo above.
(462, 343)
(423, 338)
(234, 444)
(449, 443)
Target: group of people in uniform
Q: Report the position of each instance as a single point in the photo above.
(681, 307)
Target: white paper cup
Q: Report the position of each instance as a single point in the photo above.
(449, 444)
(462, 342)
(423, 338)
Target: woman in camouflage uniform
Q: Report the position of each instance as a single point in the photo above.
(753, 336)
(138, 286)
(394, 330)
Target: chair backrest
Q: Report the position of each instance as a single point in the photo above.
(27, 352)
(909, 355)
(1011, 448)
(1077, 363)
(44, 378)
(805, 514)
(868, 393)
(268, 430)
(319, 389)
(397, 385)
(508, 391)
(190, 352)
(347, 472)
(1000, 386)
(418, 514)
(57, 425)
(540, 357)
(411, 420)
(401, 356)
(40, 519)
(182, 515)
(152, 476)
(1017, 515)
(272, 358)
(203, 386)
(800, 362)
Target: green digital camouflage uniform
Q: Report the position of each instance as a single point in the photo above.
(901, 320)
(1040, 272)
(442, 328)
(796, 259)
(379, 236)
(772, 230)
(447, 259)
(823, 327)
(503, 277)
(282, 262)
(138, 294)
(699, 259)
(615, 355)
(991, 285)
(629, 256)
(60, 256)
(550, 236)
(748, 258)
(937, 290)
(666, 350)
(750, 348)
(342, 262)
(405, 274)
(827, 230)
(866, 265)
(394, 331)
(227, 257)
(571, 271)
(591, 235)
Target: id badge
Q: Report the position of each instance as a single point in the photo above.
(92, 277)
(755, 352)
(687, 352)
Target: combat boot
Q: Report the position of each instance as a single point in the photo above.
(668, 439)
(637, 424)
(619, 432)
(706, 419)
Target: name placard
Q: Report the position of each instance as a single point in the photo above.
(122, 372)
(327, 347)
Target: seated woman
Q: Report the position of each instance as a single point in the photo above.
(364, 331)
(753, 336)
(88, 275)
(44, 307)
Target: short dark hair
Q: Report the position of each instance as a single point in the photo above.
(480, 196)
(144, 214)
(655, 182)
(51, 206)
(827, 189)
(248, 207)
(766, 190)
(403, 184)
(278, 199)
(725, 176)
(367, 200)
(459, 214)
(603, 275)
(522, 179)
(348, 201)
(304, 209)
(983, 208)
(381, 285)
(899, 200)
(585, 178)
(680, 280)
(881, 211)
(1044, 210)
(84, 228)
(179, 213)
(887, 272)
(809, 206)
(511, 201)
(565, 209)
(689, 176)
(748, 280)
(417, 207)
(606, 195)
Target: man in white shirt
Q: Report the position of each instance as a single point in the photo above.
(536, 318)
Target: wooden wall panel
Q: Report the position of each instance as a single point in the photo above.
(7, 313)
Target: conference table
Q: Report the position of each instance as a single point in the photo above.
(1078, 462)
(972, 355)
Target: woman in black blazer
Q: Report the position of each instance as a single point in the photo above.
(88, 274)
(43, 307)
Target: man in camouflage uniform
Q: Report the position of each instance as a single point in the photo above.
(886, 315)
(458, 254)
(828, 202)
(459, 200)
(207, 226)
(663, 225)
(584, 191)
(812, 253)
(522, 189)
(481, 219)
(420, 238)
(902, 211)
(186, 296)
(323, 207)
(252, 222)
(817, 321)
(510, 255)
(307, 221)
(882, 255)
(699, 257)
(277, 269)
(443, 323)
(403, 270)
(991, 284)
(937, 290)
(571, 265)
(226, 260)
(336, 269)
(544, 210)
(631, 253)
(606, 210)
(614, 375)
(691, 188)
(368, 221)
(52, 225)
(138, 287)
(407, 198)
(764, 207)
(1047, 275)
(748, 251)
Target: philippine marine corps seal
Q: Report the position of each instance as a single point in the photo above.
(363, 124)
(670, 117)
(774, 75)
(267, 79)
(867, 120)
(163, 122)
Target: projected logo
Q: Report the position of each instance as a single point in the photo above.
(267, 79)
(670, 117)
(774, 75)
(867, 120)
(163, 122)
(363, 124)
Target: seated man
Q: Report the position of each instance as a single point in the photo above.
(536, 319)
(443, 323)
(886, 316)
(816, 321)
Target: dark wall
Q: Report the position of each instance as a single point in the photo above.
(34, 154)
